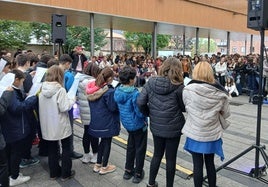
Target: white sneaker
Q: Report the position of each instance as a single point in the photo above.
(86, 158)
(94, 158)
(19, 180)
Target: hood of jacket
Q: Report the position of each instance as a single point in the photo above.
(161, 85)
(94, 92)
(124, 93)
(50, 88)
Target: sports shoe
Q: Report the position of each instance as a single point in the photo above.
(29, 162)
(94, 158)
(97, 168)
(154, 185)
(86, 158)
(107, 169)
(128, 175)
(138, 177)
(67, 178)
(19, 180)
(76, 155)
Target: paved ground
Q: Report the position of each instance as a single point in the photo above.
(238, 137)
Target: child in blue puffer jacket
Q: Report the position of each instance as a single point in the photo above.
(134, 122)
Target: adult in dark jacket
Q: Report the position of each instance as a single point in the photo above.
(105, 121)
(4, 101)
(79, 59)
(161, 99)
(16, 128)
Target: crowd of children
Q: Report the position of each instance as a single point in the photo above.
(103, 108)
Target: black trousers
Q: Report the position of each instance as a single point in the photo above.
(169, 146)
(89, 140)
(53, 158)
(136, 150)
(198, 161)
(104, 151)
(4, 180)
(14, 153)
(71, 117)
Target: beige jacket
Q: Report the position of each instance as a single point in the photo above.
(54, 105)
(204, 103)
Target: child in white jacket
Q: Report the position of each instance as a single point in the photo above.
(54, 105)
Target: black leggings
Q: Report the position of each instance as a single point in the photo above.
(89, 140)
(169, 146)
(104, 151)
(198, 161)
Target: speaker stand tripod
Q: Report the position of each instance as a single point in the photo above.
(256, 172)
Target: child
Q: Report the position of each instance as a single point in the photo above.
(54, 105)
(134, 122)
(16, 128)
(5, 100)
(91, 71)
(230, 87)
(161, 98)
(105, 121)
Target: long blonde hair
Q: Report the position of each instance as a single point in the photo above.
(172, 69)
(55, 74)
(203, 72)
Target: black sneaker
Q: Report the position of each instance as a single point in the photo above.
(154, 185)
(67, 178)
(128, 175)
(76, 155)
(138, 177)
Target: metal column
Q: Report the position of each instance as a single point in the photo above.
(251, 44)
(228, 43)
(92, 34)
(209, 42)
(197, 41)
(154, 40)
(111, 40)
(183, 41)
(245, 47)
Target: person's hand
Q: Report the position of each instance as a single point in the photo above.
(33, 73)
(9, 88)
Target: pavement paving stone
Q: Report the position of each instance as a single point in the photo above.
(238, 137)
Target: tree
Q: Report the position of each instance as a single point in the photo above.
(14, 34)
(41, 31)
(144, 40)
(203, 46)
(178, 43)
(77, 35)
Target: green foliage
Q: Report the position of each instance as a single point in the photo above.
(41, 31)
(14, 34)
(81, 36)
(144, 40)
(203, 46)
